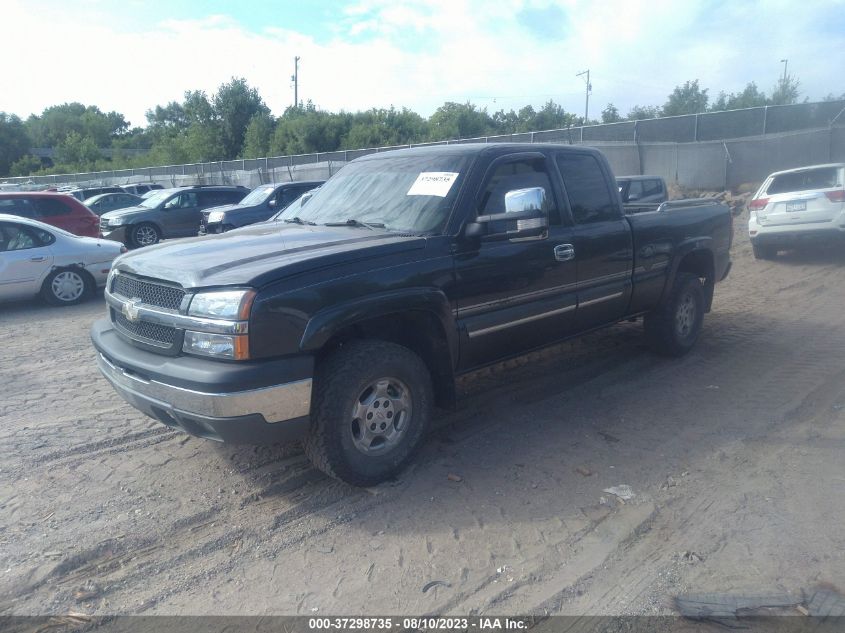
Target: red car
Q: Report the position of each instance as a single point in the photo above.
(57, 209)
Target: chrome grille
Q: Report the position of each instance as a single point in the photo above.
(153, 333)
(149, 293)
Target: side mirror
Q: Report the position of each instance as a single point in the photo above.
(272, 203)
(526, 206)
(633, 196)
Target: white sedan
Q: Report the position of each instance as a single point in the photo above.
(37, 258)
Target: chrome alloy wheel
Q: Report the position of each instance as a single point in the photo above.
(145, 236)
(380, 415)
(68, 286)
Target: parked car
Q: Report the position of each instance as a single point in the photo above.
(642, 189)
(105, 202)
(89, 192)
(260, 204)
(292, 210)
(797, 206)
(56, 209)
(37, 258)
(169, 213)
(141, 188)
(345, 324)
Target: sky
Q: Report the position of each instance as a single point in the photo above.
(131, 55)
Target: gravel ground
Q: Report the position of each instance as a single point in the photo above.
(733, 453)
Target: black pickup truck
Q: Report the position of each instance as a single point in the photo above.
(343, 326)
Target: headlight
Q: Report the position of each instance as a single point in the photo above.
(222, 304)
(234, 346)
(216, 216)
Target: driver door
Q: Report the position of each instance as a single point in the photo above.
(182, 216)
(519, 294)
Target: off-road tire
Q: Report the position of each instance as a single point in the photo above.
(339, 382)
(662, 326)
(764, 252)
(56, 293)
(145, 228)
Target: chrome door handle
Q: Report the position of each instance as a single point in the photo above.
(37, 259)
(564, 252)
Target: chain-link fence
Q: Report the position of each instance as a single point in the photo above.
(712, 150)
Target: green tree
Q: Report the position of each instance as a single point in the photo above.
(459, 120)
(750, 97)
(77, 152)
(235, 103)
(638, 112)
(14, 141)
(786, 91)
(25, 166)
(258, 135)
(610, 114)
(54, 124)
(686, 99)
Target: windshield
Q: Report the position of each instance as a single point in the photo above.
(156, 199)
(411, 194)
(259, 195)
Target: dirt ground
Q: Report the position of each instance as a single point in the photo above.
(734, 455)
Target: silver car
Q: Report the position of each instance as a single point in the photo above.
(36, 258)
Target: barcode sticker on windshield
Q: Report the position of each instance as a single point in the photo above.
(433, 183)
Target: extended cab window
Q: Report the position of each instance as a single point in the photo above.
(518, 174)
(586, 188)
(635, 191)
(652, 188)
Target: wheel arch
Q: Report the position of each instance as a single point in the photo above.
(695, 257)
(419, 319)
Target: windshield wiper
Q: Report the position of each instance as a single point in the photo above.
(299, 220)
(354, 222)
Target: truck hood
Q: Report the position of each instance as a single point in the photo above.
(262, 253)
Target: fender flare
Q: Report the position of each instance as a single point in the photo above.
(326, 323)
(703, 244)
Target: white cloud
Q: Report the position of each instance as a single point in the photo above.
(419, 54)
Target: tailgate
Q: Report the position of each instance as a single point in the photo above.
(799, 208)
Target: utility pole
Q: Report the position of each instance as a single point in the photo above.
(589, 88)
(295, 79)
(785, 63)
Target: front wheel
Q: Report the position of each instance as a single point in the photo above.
(145, 234)
(371, 409)
(66, 287)
(673, 328)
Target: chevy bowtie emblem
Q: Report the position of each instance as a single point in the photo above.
(130, 310)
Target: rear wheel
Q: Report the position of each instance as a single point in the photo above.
(145, 234)
(372, 405)
(67, 287)
(673, 328)
(764, 252)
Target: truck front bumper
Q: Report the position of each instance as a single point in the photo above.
(227, 404)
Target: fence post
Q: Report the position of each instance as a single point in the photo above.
(695, 133)
(765, 118)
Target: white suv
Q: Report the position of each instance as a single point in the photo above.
(796, 206)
